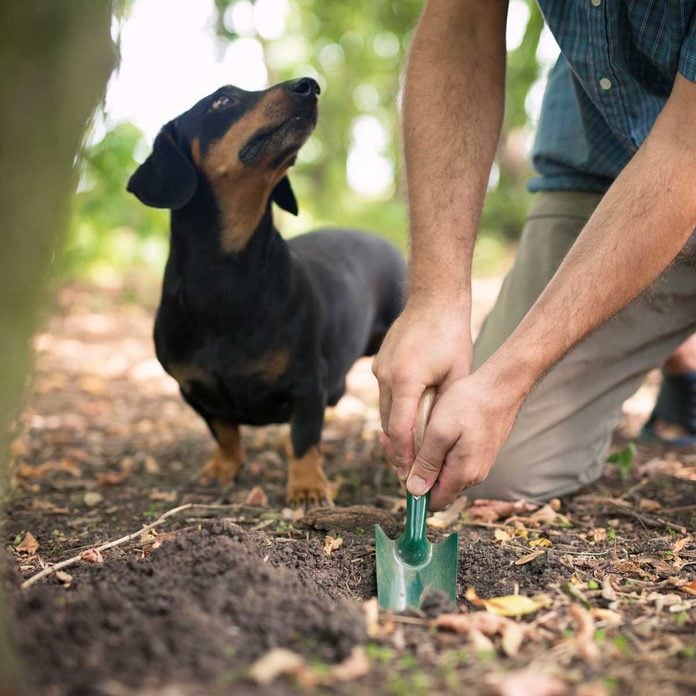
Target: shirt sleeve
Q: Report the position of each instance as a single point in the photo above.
(687, 54)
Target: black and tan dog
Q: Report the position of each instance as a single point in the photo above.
(257, 330)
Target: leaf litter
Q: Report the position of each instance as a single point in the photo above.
(611, 572)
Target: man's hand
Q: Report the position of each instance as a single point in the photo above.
(469, 424)
(425, 347)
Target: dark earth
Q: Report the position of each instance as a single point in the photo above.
(105, 446)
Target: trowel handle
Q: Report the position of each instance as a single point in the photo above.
(411, 545)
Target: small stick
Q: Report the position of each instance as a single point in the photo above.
(129, 537)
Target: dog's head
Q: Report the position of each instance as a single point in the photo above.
(241, 142)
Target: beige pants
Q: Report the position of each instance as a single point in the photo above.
(561, 437)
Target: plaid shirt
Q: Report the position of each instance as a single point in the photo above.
(618, 62)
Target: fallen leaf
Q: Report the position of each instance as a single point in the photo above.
(525, 682)
(446, 518)
(611, 618)
(275, 663)
(332, 543)
(164, 496)
(503, 534)
(678, 546)
(689, 587)
(25, 471)
(92, 556)
(92, 498)
(608, 591)
(508, 605)
(541, 541)
(371, 611)
(513, 635)
(150, 465)
(356, 665)
(599, 534)
(28, 545)
(649, 505)
(592, 689)
(257, 497)
(485, 510)
(584, 638)
(64, 577)
(529, 557)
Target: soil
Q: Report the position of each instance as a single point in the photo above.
(105, 446)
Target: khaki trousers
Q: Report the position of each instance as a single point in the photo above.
(560, 439)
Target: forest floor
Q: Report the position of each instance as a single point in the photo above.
(236, 593)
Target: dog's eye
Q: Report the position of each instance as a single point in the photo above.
(222, 102)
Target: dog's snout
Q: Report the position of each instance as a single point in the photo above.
(304, 87)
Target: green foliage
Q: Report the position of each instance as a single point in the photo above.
(624, 459)
(110, 230)
(357, 51)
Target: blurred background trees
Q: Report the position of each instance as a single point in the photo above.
(350, 172)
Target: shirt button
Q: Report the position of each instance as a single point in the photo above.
(605, 83)
(596, 3)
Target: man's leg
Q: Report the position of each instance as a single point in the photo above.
(560, 439)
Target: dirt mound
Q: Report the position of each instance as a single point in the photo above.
(204, 604)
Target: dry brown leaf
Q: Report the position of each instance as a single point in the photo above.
(64, 577)
(503, 534)
(151, 465)
(593, 689)
(679, 544)
(356, 665)
(446, 518)
(509, 605)
(611, 618)
(92, 498)
(513, 635)
(28, 545)
(529, 557)
(275, 663)
(257, 497)
(544, 515)
(113, 478)
(332, 543)
(608, 591)
(484, 510)
(371, 611)
(599, 535)
(525, 682)
(690, 587)
(584, 638)
(649, 505)
(92, 556)
(25, 471)
(164, 496)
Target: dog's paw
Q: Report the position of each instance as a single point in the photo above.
(307, 483)
(221, 469)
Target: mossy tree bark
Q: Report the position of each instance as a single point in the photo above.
(55, 60)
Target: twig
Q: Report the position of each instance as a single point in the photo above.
(117, 542)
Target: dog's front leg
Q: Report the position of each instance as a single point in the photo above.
(307, 482)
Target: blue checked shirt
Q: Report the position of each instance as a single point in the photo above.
(618, 62)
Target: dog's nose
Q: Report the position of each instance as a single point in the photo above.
(304, 87)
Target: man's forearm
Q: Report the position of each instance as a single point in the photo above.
(642, 223)
(453, 107)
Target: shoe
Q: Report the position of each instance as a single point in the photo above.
(673, 420)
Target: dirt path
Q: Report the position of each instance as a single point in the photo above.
(105, 446)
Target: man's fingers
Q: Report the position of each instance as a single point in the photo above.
(400, 426)
(437, 442)
(385, 400)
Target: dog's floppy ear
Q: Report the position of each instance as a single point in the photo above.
(166, 179)
(284, 196)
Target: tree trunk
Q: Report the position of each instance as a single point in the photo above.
(55, 60)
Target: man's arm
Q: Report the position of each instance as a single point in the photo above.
(642, 223)
(452, 114)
